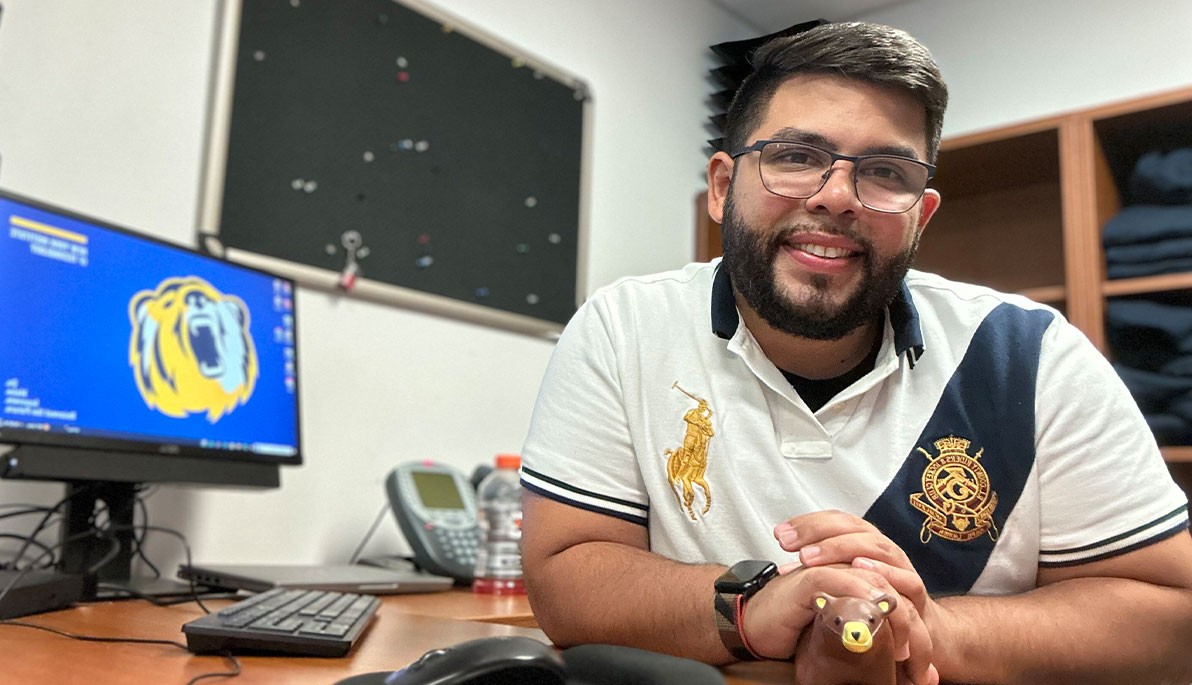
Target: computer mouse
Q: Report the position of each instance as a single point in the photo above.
(486, 661)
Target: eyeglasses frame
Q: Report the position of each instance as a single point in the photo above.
(757, 146)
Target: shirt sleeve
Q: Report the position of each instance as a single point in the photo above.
(1104, 487)
(579, 450)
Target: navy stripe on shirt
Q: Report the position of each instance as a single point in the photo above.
(989, 401)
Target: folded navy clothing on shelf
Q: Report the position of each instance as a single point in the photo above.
(1165, 402)
(1139, 224)
(1154, 268)
(1162, 178)
(1140, 253)
(1169, 429)
(1150, 335)
(1158, 393)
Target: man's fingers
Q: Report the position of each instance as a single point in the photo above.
(918, 664)
(844, 548)
(789, 566)
(778, 613)
(808, 529)
(906, 583)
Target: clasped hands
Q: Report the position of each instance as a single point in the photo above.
(844, 555)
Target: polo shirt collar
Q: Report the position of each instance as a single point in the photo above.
(904, 318)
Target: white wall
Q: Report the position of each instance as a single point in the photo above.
(1015, 60)
(102, 109)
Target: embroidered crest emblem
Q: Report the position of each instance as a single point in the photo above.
(686, 465)
(956, 495)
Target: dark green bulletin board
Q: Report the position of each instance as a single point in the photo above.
(449, 167)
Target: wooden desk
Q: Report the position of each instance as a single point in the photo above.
(406, 627)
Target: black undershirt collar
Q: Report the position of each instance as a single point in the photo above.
(818, 392)
(908, 339)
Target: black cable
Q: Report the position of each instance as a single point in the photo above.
(194, 591)
(107, 533)
(13, 536)
(132, 640)
(26, 510)
(49, 514)
(139, 541)
(220, 674)
(92, 638)
(21, 573)
(376, 522)
(114, 549)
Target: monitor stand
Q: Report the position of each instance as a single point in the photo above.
(112, 546)
(149, 586)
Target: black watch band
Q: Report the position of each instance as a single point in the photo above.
(736, 585)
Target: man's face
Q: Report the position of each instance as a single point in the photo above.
(822, 266)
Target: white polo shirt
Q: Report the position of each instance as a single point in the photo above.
(991, 438)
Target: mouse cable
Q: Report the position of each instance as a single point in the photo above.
(367, 536)
(235, 663)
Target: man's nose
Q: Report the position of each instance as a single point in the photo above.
(838, 193)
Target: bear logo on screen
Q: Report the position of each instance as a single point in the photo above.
(190, 349)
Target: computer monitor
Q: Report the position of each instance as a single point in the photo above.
(127, 360)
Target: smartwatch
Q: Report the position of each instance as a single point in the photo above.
(740, 582)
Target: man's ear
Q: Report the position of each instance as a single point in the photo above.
(931, 202)
(720, 175)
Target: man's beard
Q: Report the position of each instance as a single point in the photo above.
(749, 257)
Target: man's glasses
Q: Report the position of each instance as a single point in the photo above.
(883, 183)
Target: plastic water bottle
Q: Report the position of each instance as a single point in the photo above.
(498, 562)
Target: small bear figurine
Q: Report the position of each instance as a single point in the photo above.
(845, 644)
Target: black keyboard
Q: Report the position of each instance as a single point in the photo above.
(306, 622)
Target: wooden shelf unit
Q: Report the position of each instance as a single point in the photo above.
(1024, 205)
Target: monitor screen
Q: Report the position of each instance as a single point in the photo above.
(113, 340)
(127, 360)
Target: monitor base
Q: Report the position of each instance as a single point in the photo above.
(148, 586)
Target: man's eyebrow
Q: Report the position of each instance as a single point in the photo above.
(798, 135)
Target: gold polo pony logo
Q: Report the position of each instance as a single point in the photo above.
(956, 495)
(686, 465)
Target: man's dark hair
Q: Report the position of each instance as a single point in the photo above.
(868, 52)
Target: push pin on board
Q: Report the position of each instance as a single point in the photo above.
(354, 250)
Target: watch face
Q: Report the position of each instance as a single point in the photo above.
(746, 577)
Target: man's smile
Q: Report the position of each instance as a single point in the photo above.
(823, 250)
